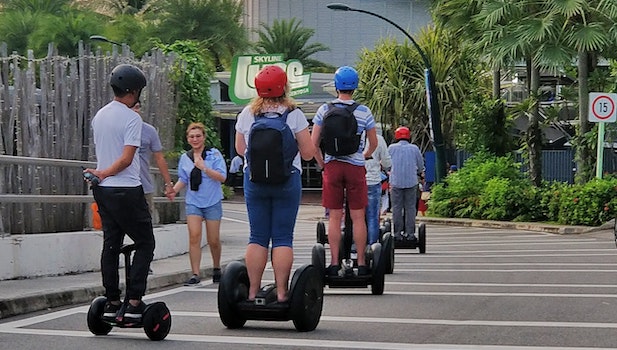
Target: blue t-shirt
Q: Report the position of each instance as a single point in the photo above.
(210, 191)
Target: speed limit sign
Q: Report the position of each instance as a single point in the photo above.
(602, 107)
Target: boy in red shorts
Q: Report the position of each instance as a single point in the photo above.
(344, 175)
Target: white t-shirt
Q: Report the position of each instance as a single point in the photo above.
(115, 126)
(295, 119)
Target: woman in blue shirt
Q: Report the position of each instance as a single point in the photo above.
(203, 170)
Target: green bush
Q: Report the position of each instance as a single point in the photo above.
(494, 188)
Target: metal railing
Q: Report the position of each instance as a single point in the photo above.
(58, 198)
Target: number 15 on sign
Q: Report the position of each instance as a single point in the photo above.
(601, 110)
(602, 107)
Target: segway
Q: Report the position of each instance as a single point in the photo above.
(348, 276)
(419, 243)
(387, 242)
(303, 307)
(156, 319)
(322, 237)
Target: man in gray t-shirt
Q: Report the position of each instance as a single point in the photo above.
(151, 147)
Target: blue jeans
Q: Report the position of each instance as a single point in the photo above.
(372, 213)
(272, 210)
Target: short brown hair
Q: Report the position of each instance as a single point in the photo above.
(196, 125)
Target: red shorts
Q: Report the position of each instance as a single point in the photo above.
(340, 178)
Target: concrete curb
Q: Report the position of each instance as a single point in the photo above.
(526, 226)
(85, 294)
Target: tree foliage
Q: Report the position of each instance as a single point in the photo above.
(292, 40)
(392, 82)
(483, 126)
(214, 24)
(193, 73)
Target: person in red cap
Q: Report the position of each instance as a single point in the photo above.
(406, 161)
(266, 130)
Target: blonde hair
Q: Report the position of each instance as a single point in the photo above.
(261, 104)
(196, 125)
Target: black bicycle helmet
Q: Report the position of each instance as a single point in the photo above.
(127, 78)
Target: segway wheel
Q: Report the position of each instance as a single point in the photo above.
(306, 301)
(388, 252)
(157, 321)
(422, 238)
(387, 225)
(378, 270)
(321, 233)
(233, 288)
(96, 325)
(318, 259)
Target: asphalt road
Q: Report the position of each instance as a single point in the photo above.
(473, 289)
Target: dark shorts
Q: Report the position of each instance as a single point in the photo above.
(340, 179)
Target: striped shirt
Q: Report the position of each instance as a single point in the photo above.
(407, 164)
(365, 121)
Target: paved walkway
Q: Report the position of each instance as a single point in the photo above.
(28, 295)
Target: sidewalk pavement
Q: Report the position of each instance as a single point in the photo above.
(23, 296)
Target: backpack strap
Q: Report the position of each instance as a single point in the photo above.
(284, 115)
(350, 108)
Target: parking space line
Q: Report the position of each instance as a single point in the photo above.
(299, 342)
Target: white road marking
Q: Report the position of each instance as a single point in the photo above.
(504, 270)
(346, 291)
(299, 342)
(460, 263)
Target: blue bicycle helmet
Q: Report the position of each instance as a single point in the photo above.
(346, 78)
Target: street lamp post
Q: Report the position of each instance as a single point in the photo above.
(431, 96)
(102, 38)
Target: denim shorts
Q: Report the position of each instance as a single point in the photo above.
(213, 212)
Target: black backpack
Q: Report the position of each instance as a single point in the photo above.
(271, 149)
(339, 130)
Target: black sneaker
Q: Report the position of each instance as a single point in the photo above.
(134, 313)
(333, 270)
(363, 270)
(194, 280)
(110, 311)
(216, 275)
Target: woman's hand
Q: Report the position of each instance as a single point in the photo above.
(200, 163)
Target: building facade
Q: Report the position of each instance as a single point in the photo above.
(345, 33)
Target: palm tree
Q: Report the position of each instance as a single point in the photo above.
(524, 30)
(392, 82)
(214, 23)
(65, 31)
(590, 30)
(16, 26)
(290, 39)
(44, 6)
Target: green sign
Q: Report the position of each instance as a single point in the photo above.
(244, 69)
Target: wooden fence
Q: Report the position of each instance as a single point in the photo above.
(46, 106)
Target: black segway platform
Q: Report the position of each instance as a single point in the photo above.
(156, 319)
(348, 276)
(404, 243)
(303, 307)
